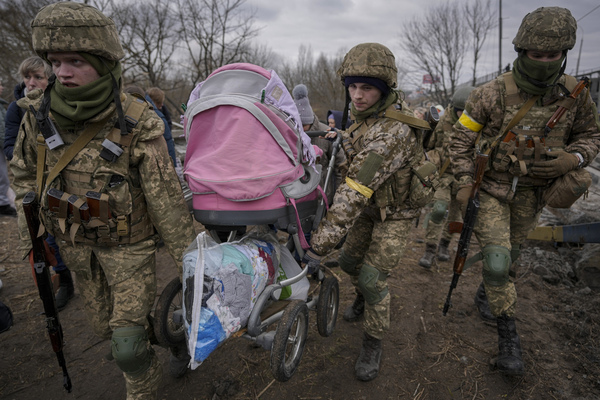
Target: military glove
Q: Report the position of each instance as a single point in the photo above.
(462, 196)
(561, 163)
(311, 260)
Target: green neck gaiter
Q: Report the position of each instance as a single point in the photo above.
(72, 106)
(546, 73)
(375, 108)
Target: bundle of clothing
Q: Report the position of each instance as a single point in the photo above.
(222, 282)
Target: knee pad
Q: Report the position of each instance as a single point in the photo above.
(496, 263)
(438, 211)
(367, 283)
(130, 350)
(349, 264)
(515, 251)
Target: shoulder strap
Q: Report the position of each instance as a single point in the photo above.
(67, 156)
(409, 120)
(512, 92)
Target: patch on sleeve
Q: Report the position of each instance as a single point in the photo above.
(469, 123)
(369, 168)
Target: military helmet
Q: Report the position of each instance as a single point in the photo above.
(546, 29)
(371, 60)
(69, 26)
(459, 99)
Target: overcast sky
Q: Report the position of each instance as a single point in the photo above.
(328, 26)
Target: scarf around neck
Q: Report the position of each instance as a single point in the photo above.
(546, 73)
(71, 107)
(375, 108)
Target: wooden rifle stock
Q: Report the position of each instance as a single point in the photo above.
(560, 111)
(41, 268)
(467, 227)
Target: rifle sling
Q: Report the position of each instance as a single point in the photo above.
(520, 114)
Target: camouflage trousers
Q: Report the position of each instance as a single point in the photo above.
(446, 192)
(505, 224)
(118, 300)
(380, 245)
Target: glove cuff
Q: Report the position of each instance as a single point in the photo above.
(580, 159)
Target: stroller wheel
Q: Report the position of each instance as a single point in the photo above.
(169, 330)
(289, 341)
(327, 306)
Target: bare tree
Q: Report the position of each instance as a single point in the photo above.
(149, 35)
(481, 19)
(435, 44)
(15, 35)
(214, 33)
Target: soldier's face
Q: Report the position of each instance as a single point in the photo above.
(363, 95)
(35, 79)
(72, 70)
(545, 56)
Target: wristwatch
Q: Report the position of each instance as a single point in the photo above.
(580, 158)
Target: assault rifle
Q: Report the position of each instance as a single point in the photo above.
(466, 228)
(41, 268)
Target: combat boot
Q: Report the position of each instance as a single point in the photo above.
(66, 291)
(354, 311)
(510, 359)
(483, 306)
(367, 365)
(178, 360)
(443, 250)
(427, 258)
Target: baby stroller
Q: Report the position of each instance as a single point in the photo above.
(249, 164)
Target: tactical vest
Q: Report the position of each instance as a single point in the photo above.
(397, 191)
(118, 214)
(517, 152)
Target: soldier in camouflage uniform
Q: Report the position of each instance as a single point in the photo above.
(522, 167)
(371, 205)
(114, 146)
(445, 195)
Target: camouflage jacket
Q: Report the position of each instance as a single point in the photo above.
(488, 112)
(149, 175)
(441, 138)
(387, 146)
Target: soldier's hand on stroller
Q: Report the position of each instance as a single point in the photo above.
(311, 260)
(331, 134)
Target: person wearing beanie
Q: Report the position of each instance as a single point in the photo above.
(108, 146)
(372, 204)
(310, 123)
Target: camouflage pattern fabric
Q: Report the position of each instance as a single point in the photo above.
(487, 113)
(547, 29)
(370, 59)
(500, 223)
(446, 192)
(117, 283)
(448, 185)
(506, 215)
(70, 26)
(144, 387)
(397, 144)
(380, 245)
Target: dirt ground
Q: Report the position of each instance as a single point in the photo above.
(426, 355)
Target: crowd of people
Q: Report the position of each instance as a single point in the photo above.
(117, 142)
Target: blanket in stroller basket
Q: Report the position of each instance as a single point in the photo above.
(221, 283)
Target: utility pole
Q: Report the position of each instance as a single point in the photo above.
(500, 38)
